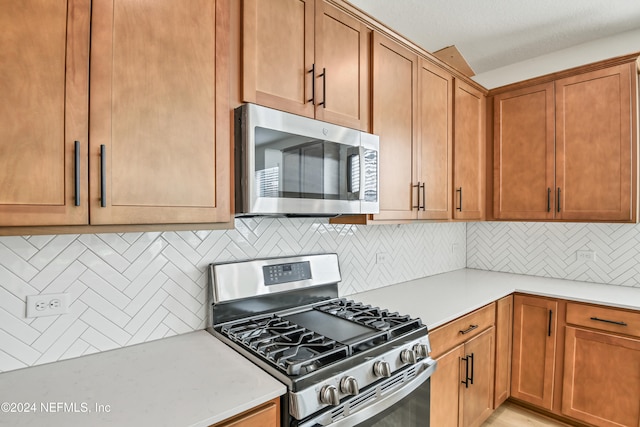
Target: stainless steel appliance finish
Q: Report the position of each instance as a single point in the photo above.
(289, 164)
(344, 363)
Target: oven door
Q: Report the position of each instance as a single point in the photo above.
(402, 400)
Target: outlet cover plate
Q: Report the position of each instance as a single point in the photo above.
(47, 305)
(586, 256)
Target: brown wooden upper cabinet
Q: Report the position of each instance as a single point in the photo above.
(469, 152)
(435, 141)
(159, 112)
(395, 70)
(413, 115)
(567, 149)
(45, 101)
(306, 57)
(157, 147)
(524, 153)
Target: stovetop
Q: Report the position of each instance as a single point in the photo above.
(302, 342)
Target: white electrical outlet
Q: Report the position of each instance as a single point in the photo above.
(586, 255)
(381, 258)
(454, 248)
(47, 305)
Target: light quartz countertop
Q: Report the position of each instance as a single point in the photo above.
(441, 298)
(196, 380)
(186, 380)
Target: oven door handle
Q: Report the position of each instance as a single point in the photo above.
(388, 401)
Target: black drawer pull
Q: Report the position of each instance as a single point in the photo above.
(103, 176)
(466, 375)
(324, 88)
(548, 200)
(609, 321)
(76, 172)
(418, 194)
(558, 199)
(550, 320)
(313, 83)
(469, 329)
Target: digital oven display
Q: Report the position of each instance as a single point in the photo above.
(284, 273)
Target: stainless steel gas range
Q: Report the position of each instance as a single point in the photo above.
(344, 363)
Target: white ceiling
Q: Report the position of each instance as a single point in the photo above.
(495, 33)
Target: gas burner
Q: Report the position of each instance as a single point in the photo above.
(257, 330)
(338, 310)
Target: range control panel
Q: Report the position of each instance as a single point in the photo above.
(283, 273)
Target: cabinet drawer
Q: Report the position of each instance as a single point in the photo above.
(460, 330)
(266, 415)
(604, 318)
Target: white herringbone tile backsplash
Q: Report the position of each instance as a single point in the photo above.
(135, 287)
(549, 249)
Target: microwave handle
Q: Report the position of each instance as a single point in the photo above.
(361, 174)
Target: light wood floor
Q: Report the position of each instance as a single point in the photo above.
(510, 415)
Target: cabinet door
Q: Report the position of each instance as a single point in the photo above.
(524, 154)
(159, 109)
(342, 60)
(435, 97)
(394, 88)
(44, 46)
(504, 334)
(594, 145)
(445, 389)
(601, 378)
(277, 46)
(478, 396)
(534, 350)
(267, 415)
(469, 152)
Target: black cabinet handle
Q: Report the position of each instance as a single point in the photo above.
(614, 322)
(469, 329)
(417, 194)
(466, 370)
(550, 320)
(471, 378)
(103, 176)
(423, 207)
(548, 199)
(324, 88)
(313, 83)
(76, 172)
(558, 199)
(459, 190)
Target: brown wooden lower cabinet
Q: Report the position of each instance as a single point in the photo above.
(601, 378)
(462, 386)
(534, 350)
(478, 394)
(504, 339)
(445, 389)
(265, 415)
(584, 365)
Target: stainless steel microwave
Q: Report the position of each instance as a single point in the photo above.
(293, 165)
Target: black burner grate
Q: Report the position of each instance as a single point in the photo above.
(299, 350)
